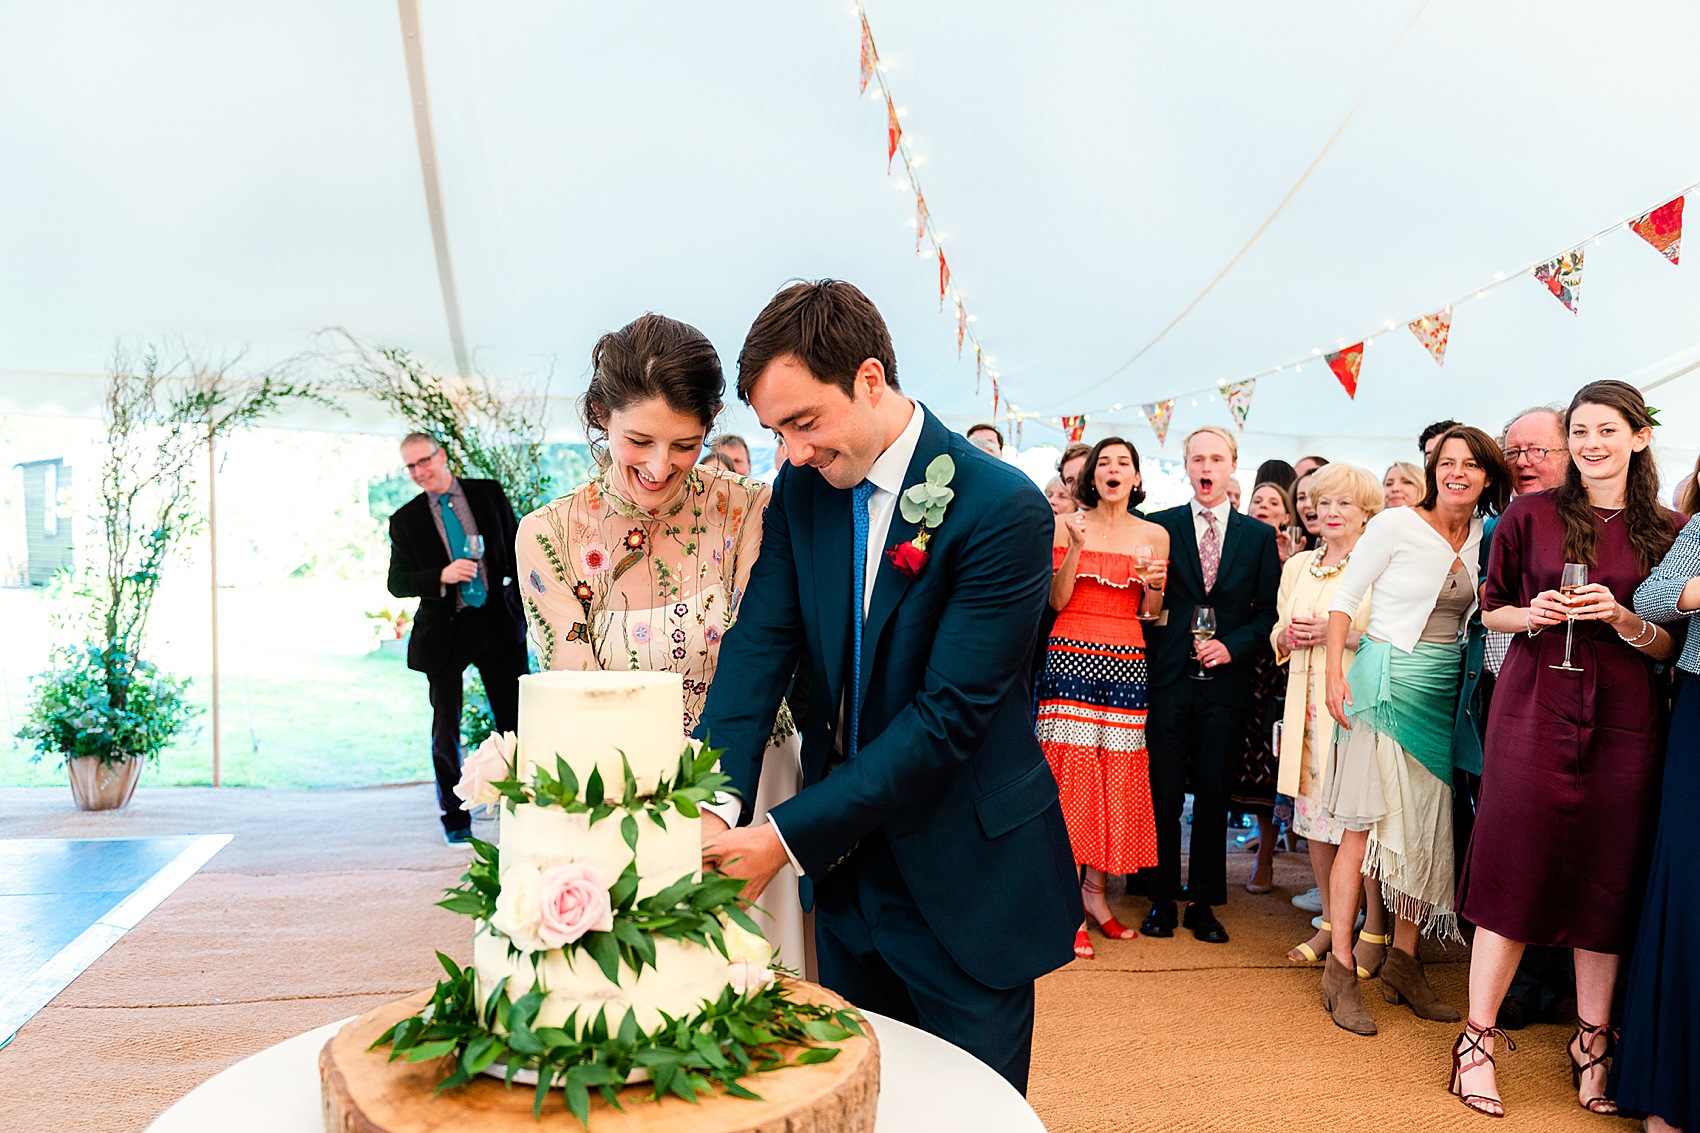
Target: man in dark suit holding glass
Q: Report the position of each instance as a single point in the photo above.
(452, 547)
(1201, 686)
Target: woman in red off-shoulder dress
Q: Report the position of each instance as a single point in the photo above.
(1110, 564)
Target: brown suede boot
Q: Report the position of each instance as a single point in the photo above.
(1402, 979)
(1340, 995)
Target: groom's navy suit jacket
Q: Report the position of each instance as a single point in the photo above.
(947, 767)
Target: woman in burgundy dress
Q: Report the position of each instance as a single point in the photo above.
(1570, 768)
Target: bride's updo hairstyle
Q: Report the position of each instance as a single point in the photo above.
(651, 356)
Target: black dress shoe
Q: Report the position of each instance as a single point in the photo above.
(1160, 921)
(1204, 924)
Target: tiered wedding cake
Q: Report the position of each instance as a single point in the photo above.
(602, 954)
(557, 866)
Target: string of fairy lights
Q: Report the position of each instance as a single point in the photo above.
(1659, 226)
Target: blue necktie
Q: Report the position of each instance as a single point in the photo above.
(859, 571)
(472, 591)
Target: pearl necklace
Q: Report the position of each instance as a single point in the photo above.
(1317, 570)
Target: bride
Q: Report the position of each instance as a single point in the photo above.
(643, 566)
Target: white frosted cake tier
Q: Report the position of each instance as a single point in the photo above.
(539, 837)
(590, 719)
(684, 977)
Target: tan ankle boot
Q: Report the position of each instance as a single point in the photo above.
(1402, 979)
(1340, 995)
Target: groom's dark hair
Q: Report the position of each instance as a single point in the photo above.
(827, 325)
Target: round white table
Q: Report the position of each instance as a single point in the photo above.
(925, 1084)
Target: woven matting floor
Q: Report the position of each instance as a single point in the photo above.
(322, 907)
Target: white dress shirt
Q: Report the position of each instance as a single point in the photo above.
(886, 475)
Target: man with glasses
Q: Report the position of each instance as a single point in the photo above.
(1535, 448)
(452, 547)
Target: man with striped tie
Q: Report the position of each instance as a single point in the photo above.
(469, 611)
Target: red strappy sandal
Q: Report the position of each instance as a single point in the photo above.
(1585, 1032)
(1111, 928)
(1470, 1042)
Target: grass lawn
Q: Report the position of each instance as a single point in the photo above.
(305, 702)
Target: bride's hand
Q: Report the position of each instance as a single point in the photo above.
(713, 826)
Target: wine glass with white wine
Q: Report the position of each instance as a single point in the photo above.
(1203, 629)
(1144, 558)
(1575, 577)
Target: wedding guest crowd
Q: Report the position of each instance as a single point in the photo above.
(1542, 558)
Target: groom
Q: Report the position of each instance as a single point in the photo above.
(921, 774)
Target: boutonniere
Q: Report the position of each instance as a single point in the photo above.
(925, 504)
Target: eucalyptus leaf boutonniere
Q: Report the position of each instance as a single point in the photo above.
(925, 504)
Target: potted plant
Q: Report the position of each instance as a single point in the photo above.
(105, 714)
(103, 708)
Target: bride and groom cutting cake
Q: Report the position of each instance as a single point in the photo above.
(896, 575)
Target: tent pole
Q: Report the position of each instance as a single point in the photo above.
(413, 47)
(212, 564)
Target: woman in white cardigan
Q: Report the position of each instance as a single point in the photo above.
(1388, 781)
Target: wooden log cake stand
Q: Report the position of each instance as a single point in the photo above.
(363, 1092)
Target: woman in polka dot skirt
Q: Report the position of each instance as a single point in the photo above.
(1110, 568)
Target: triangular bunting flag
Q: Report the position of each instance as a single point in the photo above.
(1018, 422)
(922, 218)
(1345, 364)
(1074, 426)
(979, 367)
(1562, 275)
(893, 132)
(1159, 413)
(944, 279)
(1433, 331)
(868, 56)
(994, 397)
(961, 327)
(1238, 397)
(1662, 228)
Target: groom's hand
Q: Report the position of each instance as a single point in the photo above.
(713, 826)
(753, 853)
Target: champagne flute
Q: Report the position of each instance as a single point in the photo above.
(1575, 577)
(1203, 629)
(1296, 537)
(1144, 557)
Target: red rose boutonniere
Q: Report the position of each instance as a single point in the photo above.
(924, 504)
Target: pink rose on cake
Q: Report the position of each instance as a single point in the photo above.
(573, 900)
(540, 909)
(492, 762)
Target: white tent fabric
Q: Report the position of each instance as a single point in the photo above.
(241, 176)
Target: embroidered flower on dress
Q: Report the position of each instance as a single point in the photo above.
(681, 609)
(640, 632)
(679, 636)
(711, 635)
(583, 592)
(593, 558)
(678, 653)
(537, 583)
(634, 539)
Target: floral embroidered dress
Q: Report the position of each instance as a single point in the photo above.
(607, 585)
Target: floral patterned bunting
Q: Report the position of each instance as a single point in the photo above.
(868, 55)
(1238, 397)
(979, 367)
(1662, 228)
(1433, 331)
(922, 219)
(944, 279)
(1562, 275)
(961, 327)
(1074, 426)
(1345, 364)
(893, 132)
(1159, 414)
(994, 397)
